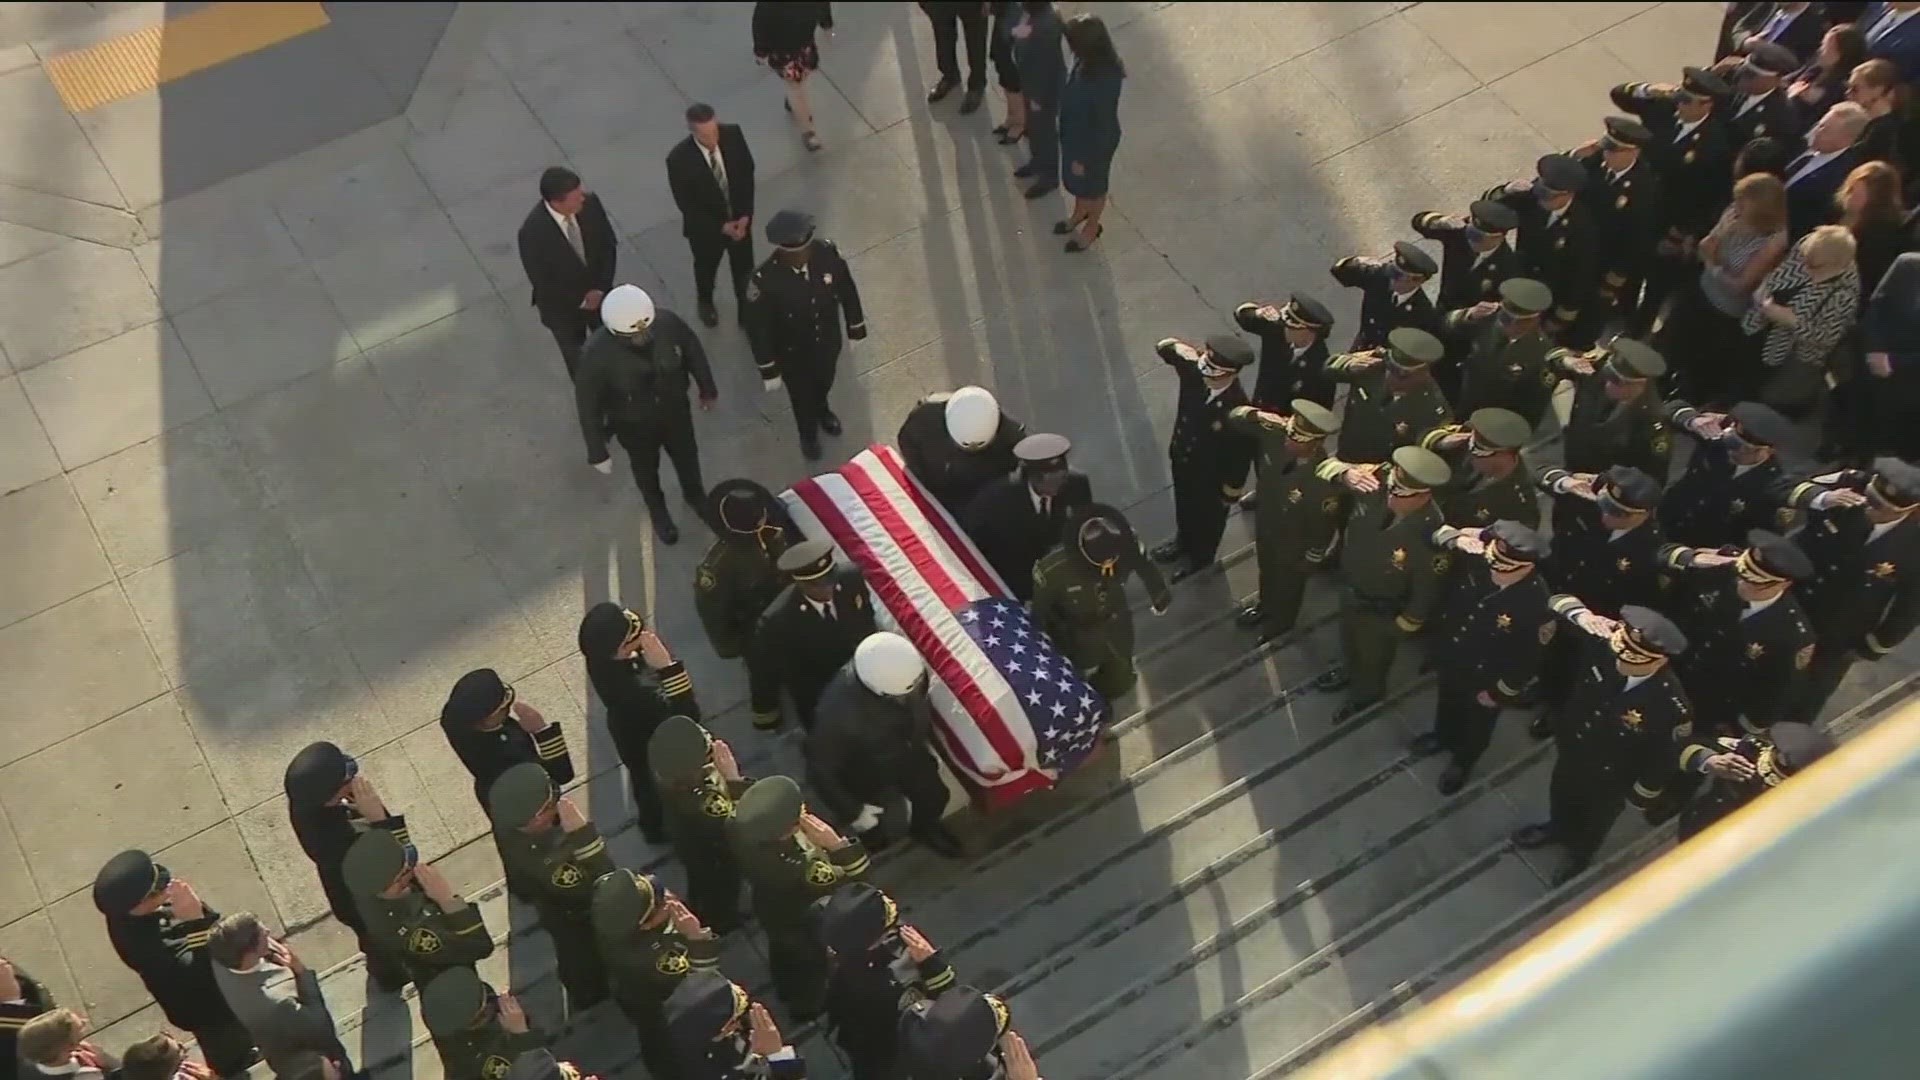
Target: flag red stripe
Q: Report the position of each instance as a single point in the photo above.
(936, 516)
(927, 565)
(949, 668)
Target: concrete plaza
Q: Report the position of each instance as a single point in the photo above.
(284, 450)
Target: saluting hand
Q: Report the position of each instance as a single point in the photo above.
(763, 1036)
(435, 885)
(186, 903)
(570, 816)
(919, 949)
(366, 801)
(653, 651)
(686, 922)
(1360, 480)
(1018, 1058)
(528, 717)
(820, 833)
(724, 763)
(513, 1019)
(9, 982)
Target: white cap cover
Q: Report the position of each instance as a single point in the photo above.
(626, 308)
(888, 664)
(973, 416)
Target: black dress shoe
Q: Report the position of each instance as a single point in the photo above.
(664, 528)
(1570, 867)
(1334, 678)
(1062, 228)
(940, 840)
(1426, 744)
(970, 104)
(810, 448)
(1008, 138)
(1041, 190)
(1453, 778)
(1183, 572)
(1350, 710)
(942, 88)
(1077, 245)
(1537, 835)
(1025, 172)
(1249, 616)
(1166, 553)
(1541, 726)
(709, 315)
(830, 424)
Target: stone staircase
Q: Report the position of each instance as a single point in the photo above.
(1232, 887)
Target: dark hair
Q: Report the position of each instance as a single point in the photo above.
(234, 937)
(153, 1058)
(1851, 43)
(1765, 154)
(558, 182)
(699, 112)
(1091, 44)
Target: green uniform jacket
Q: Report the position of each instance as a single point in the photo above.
(414, 930)
(1392, 562)
(1470, 502)
(1601, 434)
(646, 965)
(485, 1053)
(1298, 515)
(789, 876)
(696, 815)
(555, 870)
(1085, 611)
(1378, 422)
(734, 584)
(1501, 372)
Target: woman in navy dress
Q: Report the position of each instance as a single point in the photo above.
(1089, 126)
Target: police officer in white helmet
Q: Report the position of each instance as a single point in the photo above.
(631, 385)
(956, 443)
(868, 751)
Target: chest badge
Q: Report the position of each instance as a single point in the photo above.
(1505, 621)
(1882, 571)
(567, 876)
(821, 873)
(1632, 719)
(826, 279)
(1754, 650)
(1623, 564)
(423, 941)
(704, 580)
(1294, 495)
(1400, 428)
(1687, 157)
(1738, 506)
(1330, 504)
(717, 805)
(1399, 558)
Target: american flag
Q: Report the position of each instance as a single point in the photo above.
(1066, 714)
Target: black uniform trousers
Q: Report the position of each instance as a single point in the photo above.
(916, 781)
(675, 436)
(227, 1046)
(1823, 676)
(1199, 511)
(807, 390)
(656, 1042)
(1583, 799)
(798, 962)
(713, 890)
(950, 21)
(576, 955)
(1464, 726)
(707, 253)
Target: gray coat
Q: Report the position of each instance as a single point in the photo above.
(286, 1015)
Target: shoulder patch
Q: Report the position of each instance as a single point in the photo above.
(821, 873)
(495, 1067)
(423, 942)
(703, 580)
(716, 804)
(1440, 564)
(1661, 442)
(672, 962)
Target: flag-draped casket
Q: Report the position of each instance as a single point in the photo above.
(1011, 714)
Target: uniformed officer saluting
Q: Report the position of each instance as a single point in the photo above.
(479, 1032)
(791, 858)
(1616, 417)
(413, 916)
(1751, 641)
(1391, 293)
(1557, 241)
(1390, 573)
(957, 443)
(719, 1033)
(1490, 483)
(1080, 596)
(631, 384)
(552, 855)
(1492, 633)
(1624, 195)
(1504, 350)
(1624, 719)
(1298, 520)
(1863, 535)
(963, 1034)
(331, 802)
(159, 927)
(1394, 402)
(868, 749)
(638, 680)
(1293, 350)
(1474, 254)
(795, 302)
(1209, 462)
(1691, 155)
(1733, 483)
(491, 730)
(1759, 108)
(807, 633)
(1745, 768)
(740, 575)
(1017, 519)
(651, 944)
(879, 967)
(699, 784)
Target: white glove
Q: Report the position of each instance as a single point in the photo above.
(868, 817)
(604, 468)
(770, 385)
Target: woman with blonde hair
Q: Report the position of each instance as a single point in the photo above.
(1702, 338)
(1801, 312)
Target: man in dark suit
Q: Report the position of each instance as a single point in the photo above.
(567, 250)
(1017, 519)
(1814, 176)
(1894, 34)
(1799, 27)
(711, 174)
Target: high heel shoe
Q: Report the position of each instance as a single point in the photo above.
(1062, 228)
(1074, 244)
(1009, 138)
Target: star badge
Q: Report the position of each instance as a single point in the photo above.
(1623, 565)
(1399, 557)
(1505, 620)
(1738, 506)
(1883, 570)
(1754, 649)
(1632, 719)
(1400, 428)
(1294, 495)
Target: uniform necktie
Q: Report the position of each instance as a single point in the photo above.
(1046, 506)
(719, 168)
(572, 229)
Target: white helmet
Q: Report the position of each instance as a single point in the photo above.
(888, 664)
(626, 308)
(973, 416)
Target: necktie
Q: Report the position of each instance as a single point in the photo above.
(1046, 506)
(572, 230)
(719, 168)
(1793, 170)
(1880, 28)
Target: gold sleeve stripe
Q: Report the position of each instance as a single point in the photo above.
(1691, 756)
(677, 685)
(1800, 489)
(1408, 623)
(1878, 649)
(1565, 604)
(1232, 492)
(474, 928)
(704, 963)
(552, 753)
(859, 866)
(599, 845)
(1316, 555)
(401, 834)
(941, 981)
(1646, 792)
